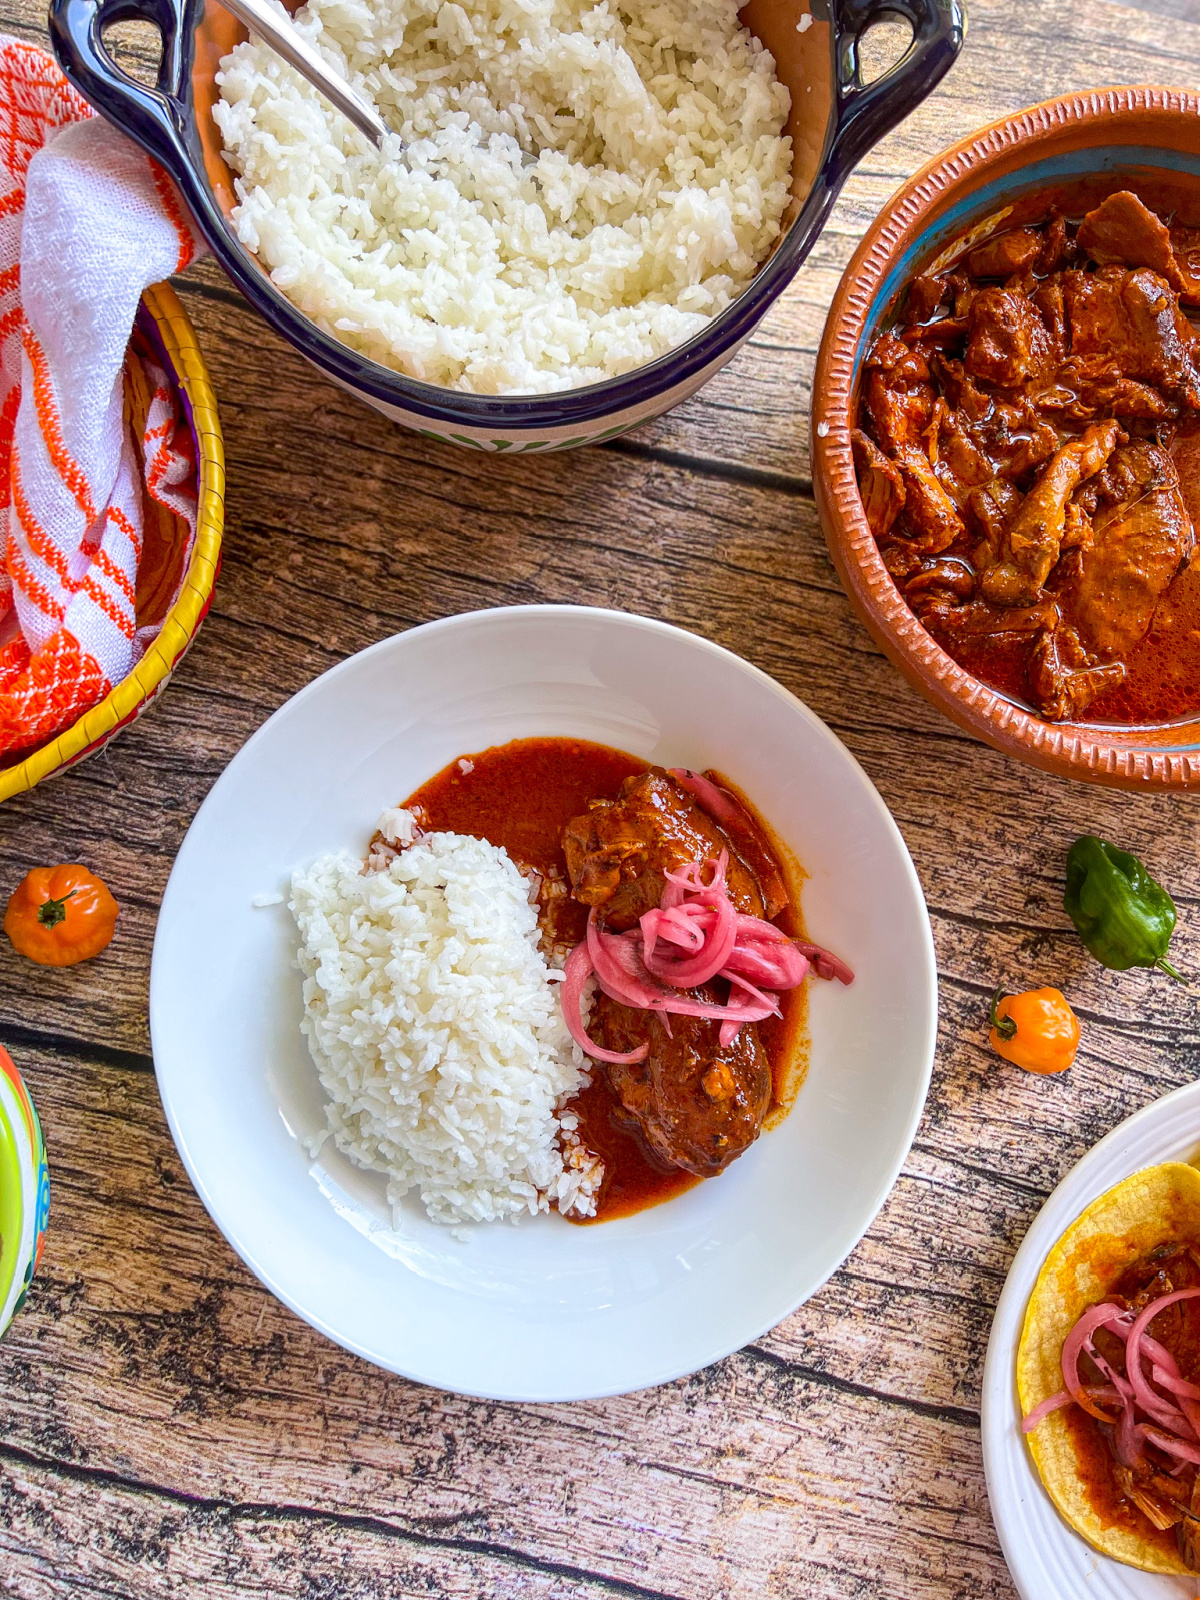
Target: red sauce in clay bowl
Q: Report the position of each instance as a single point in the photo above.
(1069, 157)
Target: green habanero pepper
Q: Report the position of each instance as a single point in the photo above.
(1123, 916)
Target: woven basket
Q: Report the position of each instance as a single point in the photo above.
(165, 320)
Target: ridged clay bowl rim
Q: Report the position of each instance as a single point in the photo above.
(1069, 750)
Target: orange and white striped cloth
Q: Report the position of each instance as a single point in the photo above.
(87, 221)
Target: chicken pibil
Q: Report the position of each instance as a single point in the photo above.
(696, 1104)
(1028, 455)
(1154, 1485)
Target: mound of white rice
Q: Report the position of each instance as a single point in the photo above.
(654, 179)
(437, 1032)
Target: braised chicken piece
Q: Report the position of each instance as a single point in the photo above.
(925, 295)
(1186, 244)
(900, 394)
(932, 515)
(1029, 452)
(1006, 254)
(1063, 679)
(1141, 536)
(1125, 231)
(1130, 325)
(619, 851)
(880, 482)
(1008, 343)
(1187, 1533)
(696, 1105)
(1185, 452)
(1137, 540)
(1032, 540)
(1161, 1501)
(1059, 248)
(992, 507)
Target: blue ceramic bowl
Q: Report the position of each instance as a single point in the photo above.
(835, 120)
(1072, 153)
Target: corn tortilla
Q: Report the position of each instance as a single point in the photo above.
(1123, 1225)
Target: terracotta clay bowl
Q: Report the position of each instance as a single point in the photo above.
(1081, 148)
(836, 117)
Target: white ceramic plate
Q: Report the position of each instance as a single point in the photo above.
(545, 1310)
(1048, 1559)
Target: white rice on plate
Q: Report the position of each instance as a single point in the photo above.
(436, 1029)
(575, 189)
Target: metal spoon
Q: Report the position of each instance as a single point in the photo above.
(286, 41)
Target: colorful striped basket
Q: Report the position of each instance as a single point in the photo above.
(164, 322)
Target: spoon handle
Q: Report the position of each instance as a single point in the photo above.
(264, 20)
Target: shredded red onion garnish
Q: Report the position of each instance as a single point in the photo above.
(576, 973)
(1160, 1407)
(694, 935)
(825, 964)
(705, 792)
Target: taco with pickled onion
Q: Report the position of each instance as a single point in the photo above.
(1108, 1371)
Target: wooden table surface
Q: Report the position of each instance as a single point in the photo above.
(166, 1427)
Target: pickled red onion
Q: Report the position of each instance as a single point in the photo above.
(1147, 1399)
(718, 806)
(1178, 1448)
(1173, 1429)
(622, 974)
(1056, 1402)
(1171, 1380)
(825, 964)
(694, 934)
(1077, 1342)
(772, 966)
(576, 973)
(751, 1003)
(709, 910)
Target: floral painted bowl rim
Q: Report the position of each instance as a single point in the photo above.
(1093, 753)
(149, 677)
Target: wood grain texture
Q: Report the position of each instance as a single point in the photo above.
(1185, 10)
(165, 1426)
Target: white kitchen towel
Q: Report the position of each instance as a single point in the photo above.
(87, 222)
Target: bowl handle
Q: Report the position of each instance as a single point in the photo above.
(156, 117)
(865, 112)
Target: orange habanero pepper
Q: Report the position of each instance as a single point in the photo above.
(60, 915)
(1037, 1031)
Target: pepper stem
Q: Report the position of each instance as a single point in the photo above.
(52, 912)
(1006, 1027)
(1171, 972)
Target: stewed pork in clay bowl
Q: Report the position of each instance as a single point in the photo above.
(1007, 436)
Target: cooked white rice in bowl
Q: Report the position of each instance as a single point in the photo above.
(435, 1026)
(574, 190)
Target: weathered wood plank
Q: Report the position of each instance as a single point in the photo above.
(79, 1532)
(1185, 10)
(143, 1318)
(157, 1545)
